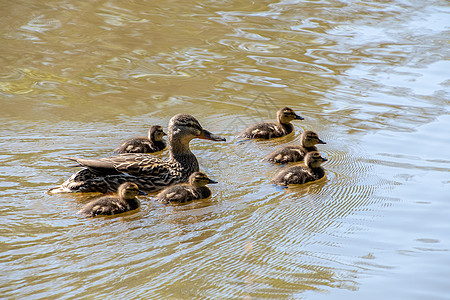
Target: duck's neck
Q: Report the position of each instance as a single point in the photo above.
(203, 191)
(159, 144)
(287, 127)
(309, 148)
(133, 203)
(313, 165)
(181, 154)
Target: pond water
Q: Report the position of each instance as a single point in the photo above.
(370, 77)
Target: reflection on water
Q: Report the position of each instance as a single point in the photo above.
(369, 77)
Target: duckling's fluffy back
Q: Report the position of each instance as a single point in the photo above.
(140, 145)
(108, 205)
(290, 153)
(183, 193)
(265, 131)
(297, 175)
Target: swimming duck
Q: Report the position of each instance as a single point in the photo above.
(111, 205)
(147, 171)
(272, 130)
(302, 174)
(293, 153)
(153, 143)
(182, 193)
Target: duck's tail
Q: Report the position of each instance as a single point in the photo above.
(58, 190)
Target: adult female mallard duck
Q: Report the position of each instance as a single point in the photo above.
(147, 171)
(293, 153)
(153, 143)
(302, 174)
(272, 130)
(182, 193)
(111, 205)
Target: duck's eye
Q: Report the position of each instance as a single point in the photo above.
(192, 124)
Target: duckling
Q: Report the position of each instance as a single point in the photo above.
(153, 143)
(182, 193)
(302, 174)
(272, 130)
(147, 171)
(293, 153)
(111, 205)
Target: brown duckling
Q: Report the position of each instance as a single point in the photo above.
(181, 193)
(111, 205)
(302, 174)
(153, 143)
(293, 153)
(272, 130)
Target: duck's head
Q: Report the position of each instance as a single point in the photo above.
(129, 190)
(313, 159)
(285, 115)
(199, 179)
(310, 138)
(156, 133)
(186, 127)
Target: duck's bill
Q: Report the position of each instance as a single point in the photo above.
(321, 142)
(206, 135)
(142, 193)
(212, 181)
(324, 159)
(297, 117)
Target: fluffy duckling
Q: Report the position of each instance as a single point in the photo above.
(272, 130)
(111, 205)
(293, 153)
(182, 193)
(302, 174)
(153, 143)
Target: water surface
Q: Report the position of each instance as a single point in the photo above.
(370, 77)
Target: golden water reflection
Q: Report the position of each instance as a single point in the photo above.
(370, 77)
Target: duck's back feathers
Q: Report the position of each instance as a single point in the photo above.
(290, 153)
(297, 175)
(183, 193)
(140, 145)
(266, 131)
(177, 193)
(130, 163)
(105, 175)
(103, 206)
(107, 206)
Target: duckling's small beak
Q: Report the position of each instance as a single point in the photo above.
(142, 193)
(212, 181)
(297, 117)
(206, 135)
(324, 159)
(321, 142)
(164, 133)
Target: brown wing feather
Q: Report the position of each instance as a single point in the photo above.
(130, 163)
